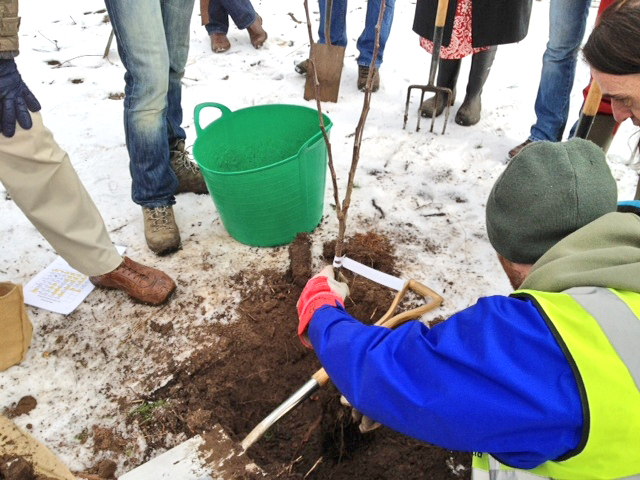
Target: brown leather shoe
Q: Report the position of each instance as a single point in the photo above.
(189, 175)
(219, 42)
(515, 150)
(256, 34)
(145, 284)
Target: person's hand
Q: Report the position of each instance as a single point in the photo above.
(322, 289)
(365, 424)
(15, 99)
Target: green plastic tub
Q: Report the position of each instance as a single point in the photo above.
(265, 168)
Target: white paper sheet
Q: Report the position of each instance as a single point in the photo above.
(59, 288)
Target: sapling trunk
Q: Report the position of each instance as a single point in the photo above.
(342, 209)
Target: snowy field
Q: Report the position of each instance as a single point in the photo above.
(430, 190)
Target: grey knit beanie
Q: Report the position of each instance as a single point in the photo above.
(548, 191)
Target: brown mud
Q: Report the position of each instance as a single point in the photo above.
(259, 362)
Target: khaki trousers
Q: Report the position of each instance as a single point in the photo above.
(42, 182)
(15, 442)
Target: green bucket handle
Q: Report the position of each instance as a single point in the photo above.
(196, 113)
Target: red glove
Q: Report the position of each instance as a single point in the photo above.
(321, 290)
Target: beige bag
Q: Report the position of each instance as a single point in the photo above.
(15, 327)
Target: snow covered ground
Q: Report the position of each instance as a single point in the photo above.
(79, 364)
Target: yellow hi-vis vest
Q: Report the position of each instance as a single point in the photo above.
(598, 330)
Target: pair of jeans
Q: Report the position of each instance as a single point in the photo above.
(153, 43)
(366, 41)
(567, 23)
(241, 11)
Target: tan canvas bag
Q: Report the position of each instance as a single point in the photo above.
(15, 327)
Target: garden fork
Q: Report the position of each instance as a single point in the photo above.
(441, 16)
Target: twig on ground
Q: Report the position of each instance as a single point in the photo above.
(289, 468)
(79, 56)
(294, 18)
(108, 47)
(55, 42)
(375, 205)
(139, 324)
(315, 465)
(247, 314)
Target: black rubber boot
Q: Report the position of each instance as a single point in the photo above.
(601, 132)
(469, 111)
(448, 71)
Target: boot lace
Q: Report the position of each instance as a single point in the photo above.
(182, 161)
(159, 218)
(127, 269)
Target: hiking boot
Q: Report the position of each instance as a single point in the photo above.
(515, 150)
(256, 33)
(219, 42)
(363, 73)
(189, 175)
(144, 284)
(160, 229)
(303, 67)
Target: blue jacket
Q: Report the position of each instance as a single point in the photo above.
(490, 378)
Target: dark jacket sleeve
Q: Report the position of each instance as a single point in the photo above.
(490, 378)
(494, 22)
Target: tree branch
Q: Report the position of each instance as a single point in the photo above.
(342, 209)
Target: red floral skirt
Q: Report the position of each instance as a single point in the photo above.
(461, 44)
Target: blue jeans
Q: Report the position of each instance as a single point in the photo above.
(241, 11)
(367, 39)
(567, 22)
(153, 42)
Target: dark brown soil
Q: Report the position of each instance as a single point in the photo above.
(17, 468)
(259, 362)
(24, 406)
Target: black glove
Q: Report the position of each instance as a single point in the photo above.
(16, 99)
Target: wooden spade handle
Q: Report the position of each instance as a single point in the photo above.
(328, 6)
(441, 13)
(589, 111)
(592, 101)
(388, 321)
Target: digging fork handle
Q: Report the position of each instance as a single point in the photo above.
(441, 13)
(438, 30)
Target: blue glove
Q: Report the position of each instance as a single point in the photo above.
(16, 99)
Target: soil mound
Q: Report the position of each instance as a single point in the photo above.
(261, 363)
